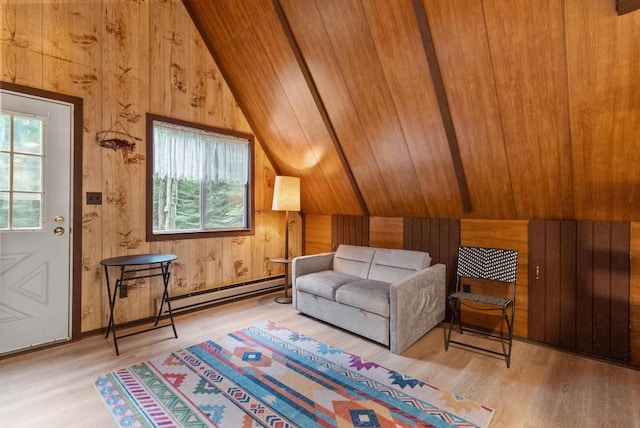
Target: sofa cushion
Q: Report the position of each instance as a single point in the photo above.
(367, 294)
(394, 265)
(324, 283)
(353, 260)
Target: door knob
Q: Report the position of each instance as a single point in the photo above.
(58, 219)
(58, 231)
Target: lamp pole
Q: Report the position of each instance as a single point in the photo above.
(286, 197)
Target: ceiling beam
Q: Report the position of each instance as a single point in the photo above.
(627, 6)
(443, 103)
(304, 67)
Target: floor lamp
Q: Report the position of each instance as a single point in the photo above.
(286, 197)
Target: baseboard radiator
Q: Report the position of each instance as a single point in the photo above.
(200, 299)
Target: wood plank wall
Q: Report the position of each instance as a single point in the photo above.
(603, 311)
(553, 262)
(124, 59)
(439, 237)
(317, 232)
(580, 286)
(385, 232)
(349, 229)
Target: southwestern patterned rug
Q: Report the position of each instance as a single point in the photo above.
(269, 376)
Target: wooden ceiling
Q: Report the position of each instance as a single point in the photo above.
(431, 108)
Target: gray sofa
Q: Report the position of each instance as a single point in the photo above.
(390, 296)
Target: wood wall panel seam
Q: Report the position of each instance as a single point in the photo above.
(313, 89)
(567, 89)
(445, 111)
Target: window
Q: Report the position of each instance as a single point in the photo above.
(21, 171)
(199, 180)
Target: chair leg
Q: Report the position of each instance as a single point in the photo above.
(454, 305)
(509, 322)
(506, 340)
(459, 316)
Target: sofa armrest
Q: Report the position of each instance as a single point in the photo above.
(308, 264)
(417, 304)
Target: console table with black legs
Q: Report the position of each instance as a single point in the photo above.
(132, 268)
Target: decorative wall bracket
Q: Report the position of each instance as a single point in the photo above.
(116, 139)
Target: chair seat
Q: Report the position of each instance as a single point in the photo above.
(481, 298)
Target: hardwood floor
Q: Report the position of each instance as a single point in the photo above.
(543, 387)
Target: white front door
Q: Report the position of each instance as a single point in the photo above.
(35, 209)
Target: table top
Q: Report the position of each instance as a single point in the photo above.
(280, 260)
(138, 259)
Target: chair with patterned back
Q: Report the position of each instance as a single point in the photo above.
(485, 264)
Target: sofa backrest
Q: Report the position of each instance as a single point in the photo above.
(353, 260)
(393, 265)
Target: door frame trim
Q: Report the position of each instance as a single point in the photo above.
(76, 243)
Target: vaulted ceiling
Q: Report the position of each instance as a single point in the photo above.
(459, 108)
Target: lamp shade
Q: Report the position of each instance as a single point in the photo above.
(286, 194)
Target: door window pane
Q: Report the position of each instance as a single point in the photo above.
(21, 171)
(4, 171)
(26, 211)
(27, 173)
(5, 132)
(4, 210)
(27, 135)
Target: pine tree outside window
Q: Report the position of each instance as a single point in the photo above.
(199, 180)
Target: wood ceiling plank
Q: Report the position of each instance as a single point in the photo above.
(460, 39)
(528, 57)
(322, 110)
(229, 19)
(212, 19)
(367, 86)
(603, 69)
(399, 48)
(312, 151)
(306, 24)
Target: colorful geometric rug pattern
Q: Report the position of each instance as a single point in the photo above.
(270, 376)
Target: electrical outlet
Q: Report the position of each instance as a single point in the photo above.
(123, 291)
(466, 288)
(94, 198)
